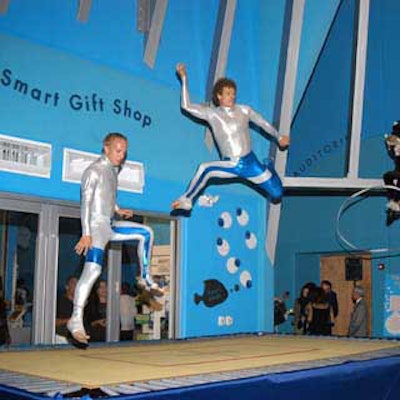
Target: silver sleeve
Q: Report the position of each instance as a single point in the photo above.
(197, 110)
(257, 119)
(89, 182)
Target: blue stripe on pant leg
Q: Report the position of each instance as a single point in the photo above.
(95, 255)
(273, 187)
(145, 272)
(247, 167)
(199, 184)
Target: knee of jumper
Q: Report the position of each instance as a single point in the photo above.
(275, 189)
(201, 168)
(95, 255)
(386, 176)
(276, 195)
(147, 233)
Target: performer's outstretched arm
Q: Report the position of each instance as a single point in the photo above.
(124, 212)
(256, 118)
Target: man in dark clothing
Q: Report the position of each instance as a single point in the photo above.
(332, 300)
(5, 337)
(392, 178)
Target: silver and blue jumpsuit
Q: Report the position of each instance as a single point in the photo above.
(98, 207)
(230, 128)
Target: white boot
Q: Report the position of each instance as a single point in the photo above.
(183, 203)
(91, 271)
(147, 284)
(393, 205)
(75, 326)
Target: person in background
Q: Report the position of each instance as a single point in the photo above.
(21, 294)
(392, 177)
(319, 314)
(5, 338)
(281, 312)
(96, 316)
(332, 300)
(300, 311)
(128, 313)
(311, 286)
(358, 326)
(65, 305)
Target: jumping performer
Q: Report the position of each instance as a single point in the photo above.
(98, 208)
(392, 178)
(229, 123)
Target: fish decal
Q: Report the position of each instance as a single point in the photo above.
(214, 293)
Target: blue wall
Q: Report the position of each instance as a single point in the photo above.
(320, 127)
(233, 253)
(381, 87)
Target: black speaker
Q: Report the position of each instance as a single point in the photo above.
(354, 269)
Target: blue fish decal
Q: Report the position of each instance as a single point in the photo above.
(214, 293)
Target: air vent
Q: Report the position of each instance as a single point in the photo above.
(25, 157)
(130, 179)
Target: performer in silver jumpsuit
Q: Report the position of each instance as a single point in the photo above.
(392, 178)
(98, 207)
(229, 123)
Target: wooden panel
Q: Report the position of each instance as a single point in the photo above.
(332, 268)
(4, 6)
(84, 10)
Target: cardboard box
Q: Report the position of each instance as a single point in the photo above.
(161, 250)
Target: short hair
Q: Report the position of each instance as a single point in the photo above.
(326, 282)
(69, 279)
(396, 128)
(112, 136)
(359, 290)
(219, 86)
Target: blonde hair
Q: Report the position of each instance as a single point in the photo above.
(112, 136)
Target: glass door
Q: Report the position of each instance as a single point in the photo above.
(18, 238)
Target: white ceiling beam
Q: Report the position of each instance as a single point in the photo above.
(329, 183)
(220, 52)
(358, 89)
(285, 118)
(83, 10)
(154, 35)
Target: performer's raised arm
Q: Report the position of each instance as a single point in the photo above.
(197, 110)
